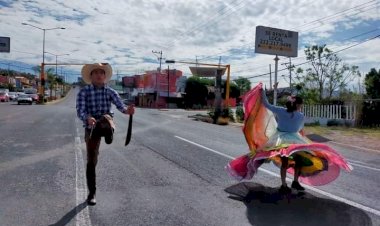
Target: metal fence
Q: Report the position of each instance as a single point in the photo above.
(344, 112)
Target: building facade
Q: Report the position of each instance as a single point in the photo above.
(154, 89)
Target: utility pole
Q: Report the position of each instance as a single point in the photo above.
(167, 103)
(270, 77)
(158, 74)
(290, 72)
(159, 58)
(276, 59)
(290, 67)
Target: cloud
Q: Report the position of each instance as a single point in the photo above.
(124, 33)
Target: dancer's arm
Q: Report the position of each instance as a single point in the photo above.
(266, 103)
(302, 132)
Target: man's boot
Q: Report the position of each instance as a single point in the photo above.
(91, 184)
(108, 128)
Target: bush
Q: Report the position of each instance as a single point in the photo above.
(211, 113)
(239, 114)
(334, 122)
(228, 113)
(315, 123)
(197, 106)
(225, 113)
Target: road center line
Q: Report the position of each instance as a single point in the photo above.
(349, 202)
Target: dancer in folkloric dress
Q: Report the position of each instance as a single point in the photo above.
(275, 134)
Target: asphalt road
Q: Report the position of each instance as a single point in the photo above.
(172, 173)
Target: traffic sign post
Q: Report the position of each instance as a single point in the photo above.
(5, 44)
(274, 41)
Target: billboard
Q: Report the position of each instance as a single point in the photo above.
(5, 44)
(275, 41)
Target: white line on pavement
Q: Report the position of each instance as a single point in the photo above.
(364, 166)
(353, 146)
(82, 216)
(349, 202)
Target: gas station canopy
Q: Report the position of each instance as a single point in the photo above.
(206, 71)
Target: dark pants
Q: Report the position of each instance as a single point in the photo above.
(92, 146)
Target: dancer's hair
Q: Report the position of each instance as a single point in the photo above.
(293, 101)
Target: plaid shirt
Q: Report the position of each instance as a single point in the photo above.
(95, 102)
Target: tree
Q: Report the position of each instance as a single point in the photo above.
(52, 79)
(196, 92)
(372, 83)
(327, 72)
(243, 84)
(304, 89)
(234, 90)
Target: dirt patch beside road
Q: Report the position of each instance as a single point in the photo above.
(364, 138)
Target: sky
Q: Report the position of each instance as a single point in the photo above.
(129, 34)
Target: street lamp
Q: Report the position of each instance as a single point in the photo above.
(56, 68)
(42, 77)
(56, 60)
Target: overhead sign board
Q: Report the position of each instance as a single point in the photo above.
(275, 41)
(5, 44)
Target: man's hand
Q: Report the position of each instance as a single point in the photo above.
(91, 121)
(130, 110)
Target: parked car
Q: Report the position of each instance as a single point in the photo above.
(12, 96)
(34, 97)
(4, 97)
(24, 99)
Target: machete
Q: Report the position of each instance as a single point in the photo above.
(129, 133)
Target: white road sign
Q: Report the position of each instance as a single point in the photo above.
(275, 41)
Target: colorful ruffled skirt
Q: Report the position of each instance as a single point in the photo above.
(319, 164)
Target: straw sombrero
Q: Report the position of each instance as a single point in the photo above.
(88, 68)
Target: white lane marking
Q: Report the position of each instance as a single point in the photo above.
(353, 146)
(82, 216)
(209, 149)
(349, 202)
(364, 166)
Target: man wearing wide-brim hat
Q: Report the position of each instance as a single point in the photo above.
(94, 109)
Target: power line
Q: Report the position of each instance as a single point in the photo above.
(304, 56)
(25, 52)
(16, 66)
(206, 23)
(349, 47)
(313, 28)
(318, 20)
(335, 14)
